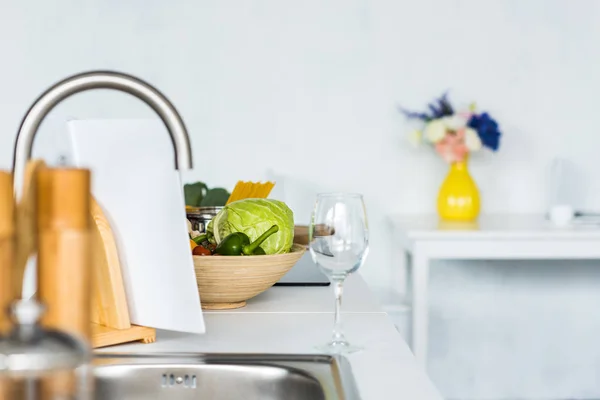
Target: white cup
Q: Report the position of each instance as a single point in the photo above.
(561, 215)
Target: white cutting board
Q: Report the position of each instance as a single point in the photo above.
(135, 181)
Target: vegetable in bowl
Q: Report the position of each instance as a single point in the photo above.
(199, 195)
(238, 243)
(254, 217)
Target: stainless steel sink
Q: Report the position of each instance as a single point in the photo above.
(223, 377)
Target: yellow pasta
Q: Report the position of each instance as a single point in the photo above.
(250, 190)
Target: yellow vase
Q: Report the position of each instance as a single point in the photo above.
(458, 199)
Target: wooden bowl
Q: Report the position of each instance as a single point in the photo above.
(226, 282)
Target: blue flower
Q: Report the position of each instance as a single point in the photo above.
(415, 115)
(440, 108)
(487, 129)
(443, 109)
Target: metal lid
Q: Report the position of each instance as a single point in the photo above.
(32, 349)
(203, 211)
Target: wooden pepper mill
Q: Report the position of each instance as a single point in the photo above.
(64, 261)
(64, 256)
(7, 234)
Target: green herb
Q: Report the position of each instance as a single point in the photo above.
(216, 197)
(199, 195)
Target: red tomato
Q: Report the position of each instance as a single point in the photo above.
(201, 251)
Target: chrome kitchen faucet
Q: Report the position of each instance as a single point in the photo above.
(100, 80)
(30, 348)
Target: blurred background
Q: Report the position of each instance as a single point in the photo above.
(307, 93)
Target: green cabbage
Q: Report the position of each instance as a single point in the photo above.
(253, 217)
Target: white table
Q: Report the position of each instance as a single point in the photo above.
(494, 237)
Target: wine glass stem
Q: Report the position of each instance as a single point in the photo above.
(338, 289)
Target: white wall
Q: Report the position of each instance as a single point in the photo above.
(310, 88)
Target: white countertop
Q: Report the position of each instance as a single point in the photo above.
(293, 320)
(311, 299)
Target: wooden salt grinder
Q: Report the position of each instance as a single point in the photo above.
(64, 256)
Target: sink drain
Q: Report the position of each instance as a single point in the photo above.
(187, 381)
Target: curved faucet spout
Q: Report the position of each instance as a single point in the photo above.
(99, 80)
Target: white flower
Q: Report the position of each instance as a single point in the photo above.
(454, 122)
(472, 140)
(435, 130)
(415, 137)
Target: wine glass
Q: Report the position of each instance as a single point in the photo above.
(339, 244)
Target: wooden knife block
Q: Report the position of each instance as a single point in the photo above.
(110, 314)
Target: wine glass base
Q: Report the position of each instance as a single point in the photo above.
(338, 347)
